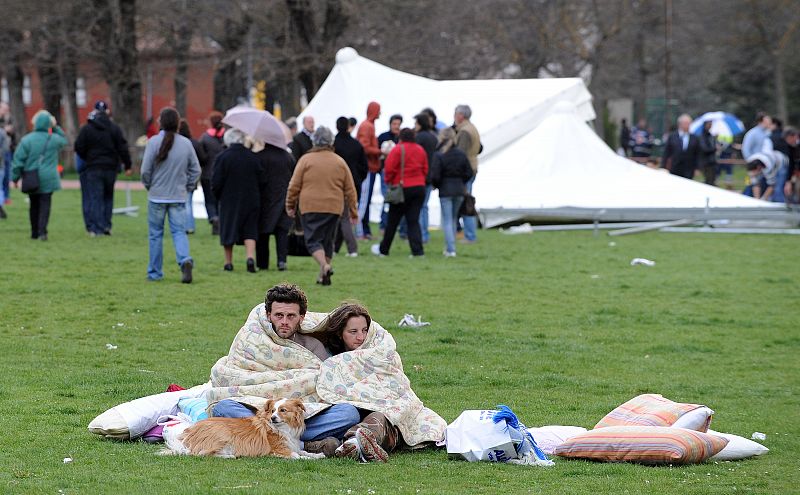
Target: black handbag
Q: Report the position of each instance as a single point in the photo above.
(30, 178)
(30, 181)
(468, 206)
(394, 194)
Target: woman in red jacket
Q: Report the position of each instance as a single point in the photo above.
(413, 179)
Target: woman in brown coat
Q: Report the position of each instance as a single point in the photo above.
(321, 183)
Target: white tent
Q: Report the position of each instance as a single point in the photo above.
(503, 110)
(563, 171)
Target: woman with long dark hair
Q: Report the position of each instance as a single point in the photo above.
(170, 170)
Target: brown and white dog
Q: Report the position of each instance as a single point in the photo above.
(274, 431)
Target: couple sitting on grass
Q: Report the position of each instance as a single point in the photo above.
(344, 367)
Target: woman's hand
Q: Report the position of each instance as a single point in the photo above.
(290, 212)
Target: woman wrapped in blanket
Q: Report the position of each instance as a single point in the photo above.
(345, 330)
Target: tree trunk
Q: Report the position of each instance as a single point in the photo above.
(230, 81)
(49, 85)
(183, 38)
(640, 88)
(69, 121)
(123, 78)
(780, 89)
(16, 79)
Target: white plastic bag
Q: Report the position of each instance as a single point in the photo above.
(476, 437)
(174, 426)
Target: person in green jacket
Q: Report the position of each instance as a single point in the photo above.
(38, 150)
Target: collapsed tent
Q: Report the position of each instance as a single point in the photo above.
(562, 171)
(503, 110)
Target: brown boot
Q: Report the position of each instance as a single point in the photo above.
(386, 434)
(327, 446)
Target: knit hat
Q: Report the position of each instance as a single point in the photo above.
(101, 106)
(322, 137)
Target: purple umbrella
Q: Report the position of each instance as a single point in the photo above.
(259, 124)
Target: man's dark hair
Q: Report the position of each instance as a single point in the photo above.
(396, 116)
(352, 121)
(431, 114)
(754, 165)
(760, 116)
(789, 131)
(407, 135)
(342, 124)
(288, 294)
(424, 121)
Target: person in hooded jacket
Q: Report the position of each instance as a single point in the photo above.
(102, 147)
(212, 144)
(369, 141)
(38, 150)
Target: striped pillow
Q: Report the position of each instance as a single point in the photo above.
(649, 410)
(642, 444)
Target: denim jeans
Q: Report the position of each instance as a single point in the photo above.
(450, 206)
(470, 223)
(100, 194)
(332, 422)
(423, 216)
(189, 213)
(5, 163)
(2, 180)
(780, 180)
(177, 226)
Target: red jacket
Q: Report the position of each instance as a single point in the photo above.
(416, 169)
(366, 136)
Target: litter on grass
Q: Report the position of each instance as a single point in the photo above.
(409, 321)
(642, 261)
(67, 460)
(110, 347)
(759, 436)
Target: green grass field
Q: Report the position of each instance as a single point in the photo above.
(558, 326)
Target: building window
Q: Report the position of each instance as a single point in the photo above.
(26, 91)
(80, 92)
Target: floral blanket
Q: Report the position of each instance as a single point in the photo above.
(261, 365)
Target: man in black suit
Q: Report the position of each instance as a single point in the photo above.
(682, 150)
(301, 142)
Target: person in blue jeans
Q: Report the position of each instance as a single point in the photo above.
(286, 306)
(170, 170)
(450, 172)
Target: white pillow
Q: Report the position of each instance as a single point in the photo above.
(697, 420)
(737, 448)
(550, 437)
(110, 424)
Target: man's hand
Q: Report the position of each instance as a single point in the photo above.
(16, 184)
(291, 212)
(129, 172)
(354, 220)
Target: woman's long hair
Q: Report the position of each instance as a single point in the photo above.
(169, 119)
(331, 329)
(447, 137)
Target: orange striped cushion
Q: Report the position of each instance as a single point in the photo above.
(642, 444)
(647, 410)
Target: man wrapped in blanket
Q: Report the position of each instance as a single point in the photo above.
(360, 394)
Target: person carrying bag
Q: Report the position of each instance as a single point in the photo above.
(36, 163)
(394, 193)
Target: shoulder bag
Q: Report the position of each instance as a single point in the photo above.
(30, 178)
(394, 193)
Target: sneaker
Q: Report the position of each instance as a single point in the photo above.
(348, 450)
(228, 267)
(251, 265)
(186, 271)
(352, 255)
(410, 321)
(369, 448)
(281, 266)
(327, 446)
(43, 237)
(449, 254)
(3, 214)
(376, 250)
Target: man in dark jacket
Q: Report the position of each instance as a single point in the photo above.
(102, 147)
(212, 145)
(682, 150)
(301, 142)
(353, 154)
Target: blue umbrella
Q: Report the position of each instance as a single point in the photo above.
(723, 124)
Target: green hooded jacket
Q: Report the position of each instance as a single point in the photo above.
(30, 149)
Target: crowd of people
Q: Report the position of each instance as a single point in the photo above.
(316, 191)
(770, 151)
